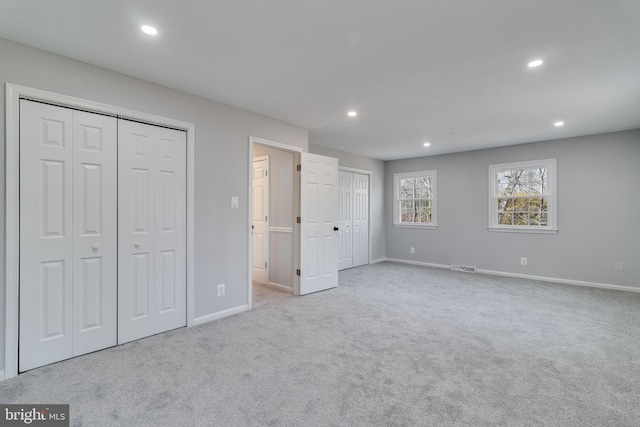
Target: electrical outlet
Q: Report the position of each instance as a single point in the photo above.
(221, 289)
(412, 250)
(523, 261)
(619, 266)
(234, 202)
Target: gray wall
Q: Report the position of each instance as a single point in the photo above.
(281, 196)
(377, 214)
(221, 170)
(598, 212)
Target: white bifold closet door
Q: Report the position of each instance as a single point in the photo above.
(151, 230)
(68, 227)
(360, 219)
(353, 223)
(345, 220)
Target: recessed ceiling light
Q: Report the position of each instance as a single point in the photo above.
(536, 63)
(427, 144)
(148, 29)
(558, 124)
(352, 113)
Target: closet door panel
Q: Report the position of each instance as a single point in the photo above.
(171, 232)
(152, 230)
(136, 228)
(94, 232)
(46, 235)
(345, 220)
(360, 219)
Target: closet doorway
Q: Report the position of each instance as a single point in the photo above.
(353, 222)
(99, 207)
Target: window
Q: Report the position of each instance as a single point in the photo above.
(522, 196)
(415, 199)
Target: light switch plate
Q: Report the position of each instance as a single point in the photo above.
(234, 202)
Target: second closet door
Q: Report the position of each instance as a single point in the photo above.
(151, 230)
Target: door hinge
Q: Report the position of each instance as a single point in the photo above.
(299, 220)
(266, 173)
(297, 272)
(265, 218)
(265, 264)
(299, 168)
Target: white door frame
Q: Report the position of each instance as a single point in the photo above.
(296, 212)
(363, 172)
(12, 226)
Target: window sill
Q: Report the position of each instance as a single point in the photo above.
(524, 230)
(425, 226)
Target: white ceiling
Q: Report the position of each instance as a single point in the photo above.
(453, 72)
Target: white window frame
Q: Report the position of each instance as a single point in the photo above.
(552, 202)
(396, 199)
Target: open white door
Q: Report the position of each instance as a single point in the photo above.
(319, 223)
(260, 219)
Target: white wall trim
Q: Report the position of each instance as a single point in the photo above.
(1, 375)
(220, 315)
(524, 276)
(13, 95)
(348, 169)
(274, 144)
(424, 264)
(279, 287)
(561, 281)
(377, 261)
(281, 229)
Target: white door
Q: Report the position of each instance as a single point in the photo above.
(345, 220)
(360, 227)
(152, 230)
(319, 221)
(95, 229)
(260, 221)
(67, 233)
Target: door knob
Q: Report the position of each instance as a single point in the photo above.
(335, 228)
(136, 244)
(95, 248)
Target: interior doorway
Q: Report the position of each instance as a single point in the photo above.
(273, 216)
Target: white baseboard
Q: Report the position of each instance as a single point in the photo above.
(219, 315)
(563, 281)
(377, 261)
(279, 287)
(525, 276)
(1, 375)
(424, 264)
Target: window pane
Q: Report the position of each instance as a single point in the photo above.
(418, 211)
(521, 204)
(522, 182)
(535, 205)
(543, 220)
(505, 218)
(534, 219)
(407, 188)
(520, 218)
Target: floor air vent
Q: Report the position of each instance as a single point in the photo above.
(463, 268)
